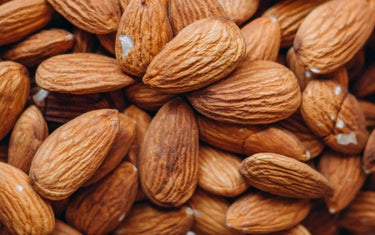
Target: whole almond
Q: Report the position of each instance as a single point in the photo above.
(181, 66)
(365, 85)
(63, 229)
(171, 140)
(72, 153)
(369, 154)
(239, 10)
(81, 73)
(368, 109)
(22, 210)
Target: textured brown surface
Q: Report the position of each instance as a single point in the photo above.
(365, 85)
(72, 153)
(28, 134)
(168, 161)
(369, 154)
(22, 210)
(204, 52)
(368, 109)
(101, 207)
(239, 10)
(81, 73)
(63, 229)
(260, 92)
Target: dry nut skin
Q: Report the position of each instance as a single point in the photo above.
(202, 53)
(19, 18)
(183, 13)
(22, 210)
(34, 49)
(63, 229)
(365, 85)
(72, 153)
(369, 154)
(334, 115)
(239, 10)
(101, 207)
(260, 92)
(99, 17)
(28, 134)
(145, 218)
(168, 161)
(332, 34)
(143, 31)
(14, 90)
(284, 176)
(259, 213)
(218, 172)
(81, 73)
(345, 175)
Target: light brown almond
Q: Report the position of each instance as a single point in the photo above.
(239, 10)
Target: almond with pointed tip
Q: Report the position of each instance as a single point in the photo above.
(239, 10)
(369, 154)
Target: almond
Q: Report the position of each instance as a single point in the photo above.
(181, 66)
(63, 229)
(368, 109)
(303, 76)
(123, 4)
(369, 154)
(365, 85)
(239, 10)
(108, 41)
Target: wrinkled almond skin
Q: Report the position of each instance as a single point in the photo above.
(72, 153)
(101, 207)
(239, 10)
(345, 24)
(365, 85)
(28, 134)
(14, 89)
(96, 17)
(143, 31)
(218, 172)
(241, 97)
(345, 175)
(259, 213)
(320, 221)
(145, 218)
(369, 154)
(22, 210)
(368, 109)
(63, 229)
(36, 48)
(168, 161)
(284, 176)
(19, 18)
(181, 66)
(81, 73)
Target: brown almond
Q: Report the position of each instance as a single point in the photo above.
(123, 4)
(62, 228)
(239, 10)
(369, 154)
(368, 109)
(365, 85)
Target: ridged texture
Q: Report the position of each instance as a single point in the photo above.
(147, 98)
(168, 161)
(99, 17)
(290, 14)
(22, 210)
(145, 24)
(368, 109)
(218, 172)
(369, 154)
(183, 13)
(63, 229)
(108, 41)
(320, 221)
(251, 139)
(34, 49)
(332, 34)
(19, 18)
(346, 176)
(260, 92)
(83, 41)
(284, 176)
(259, 213)
(262, 38)
(144, 218)
(101, 207)
(72, 153)
(28, 134)
(365, 85)
(209, 214)
(239, 10)
(14, 90)
(297, 230)
(81, 73)
(204, 52)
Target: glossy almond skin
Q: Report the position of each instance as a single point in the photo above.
(19, 18)
(145, 218)
(342, 22)
(22, 210)
(72, 153)
(63, 229)
(284, 176)
(218, 172)
(239, 10)
(143, 31)
(14, 89)
(369, 154)
(171, 140)
(34, 49)
(345, 175)
(81, 73)
(181, 66)
(240, 98)
(259, 213)
(28, 134)
(101, 207)
(365, 85)
(92, 16)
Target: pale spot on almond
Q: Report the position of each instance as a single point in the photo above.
(314, 70)
(307, 74)
(122, 216)
(332, 210)
(189, 211)
(340, 123)
(40, 96)
(19, 187)
(69, 37)
(345, 139)
(337, 90)
(273, 19)
(126, 44)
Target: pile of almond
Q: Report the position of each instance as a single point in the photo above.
(187, 117)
